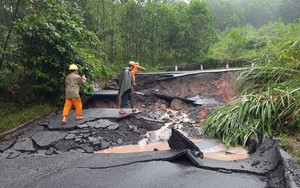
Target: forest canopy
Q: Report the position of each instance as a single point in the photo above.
(40, 38)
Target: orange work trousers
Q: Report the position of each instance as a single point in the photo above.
(68, 105)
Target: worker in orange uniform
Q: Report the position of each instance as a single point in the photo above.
(135, 70)
(73, 82)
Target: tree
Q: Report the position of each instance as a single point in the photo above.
(197, 32)
(51, 38)
(225, 13)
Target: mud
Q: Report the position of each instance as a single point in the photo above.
(166, 102)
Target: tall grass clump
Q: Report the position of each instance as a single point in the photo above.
(270, 96)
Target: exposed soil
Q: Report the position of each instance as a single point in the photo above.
(164, 102)
(163, 94)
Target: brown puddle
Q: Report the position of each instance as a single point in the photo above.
(218, 152)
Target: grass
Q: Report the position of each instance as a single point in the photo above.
(290, 142)
(268, 101)
(13, 115)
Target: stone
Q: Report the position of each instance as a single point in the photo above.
(51, 151)
(113, 127)
(103, 123)
(48, 138)
(133, 128)
(120, 141)
(92, 124)
(104, 144)
(87, 148)
(177, 104)
(70, 136)
(152, 138)
(97, 143)
(65, 145)
(82, 126)
(92, 139)
(78, 140)
(86, 135)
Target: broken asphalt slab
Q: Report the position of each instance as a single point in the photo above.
(147, 169)
(172, 168)
(54, 123)
(99, 130)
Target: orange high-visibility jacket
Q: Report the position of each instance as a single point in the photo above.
(135, 70)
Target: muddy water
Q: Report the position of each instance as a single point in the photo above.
(216, 151)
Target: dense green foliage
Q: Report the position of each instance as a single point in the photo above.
(40, 38)
(248, 42)
(271, 94)
(152, 32)
(236, 13)
(99, 36)
(49, 39)
(46, 39)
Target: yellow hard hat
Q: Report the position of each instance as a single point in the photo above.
(73, 67)
(132, 63)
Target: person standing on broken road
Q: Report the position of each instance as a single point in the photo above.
(73, 82)
(135, 70)
(125, 88)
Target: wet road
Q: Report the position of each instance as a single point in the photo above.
(116, 170)
(29, 166)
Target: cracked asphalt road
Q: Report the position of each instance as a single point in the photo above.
(116, 170)
(23, 162)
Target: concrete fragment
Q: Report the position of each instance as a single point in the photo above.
(24, 144)
(178, 141)
(7, 144)
(92, 124)
(92, 139)
(48, 138)
(70, 136)
(65, 145)
(132, 127)
(97, 143)
(81, 126)
(104, 144)
(51, 151)
(113, 127)
(87, 148)
(120, 141)
(78, 140)
(103, 123)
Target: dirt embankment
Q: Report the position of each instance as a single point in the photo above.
(193, 94)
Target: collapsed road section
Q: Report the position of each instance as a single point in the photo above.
(178, 167)
(46, 153)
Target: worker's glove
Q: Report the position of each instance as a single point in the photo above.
(83, 77)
